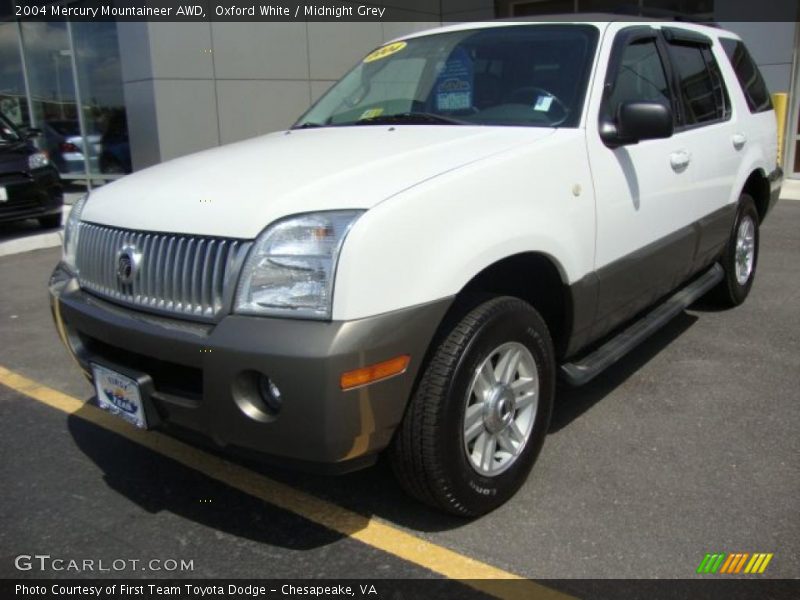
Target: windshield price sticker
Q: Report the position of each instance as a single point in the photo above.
(384, 51)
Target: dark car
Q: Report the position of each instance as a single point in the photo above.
(30, 187)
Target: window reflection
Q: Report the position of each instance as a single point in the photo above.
(49, 65)
(94, 135)
(13, 103)
(102, 99)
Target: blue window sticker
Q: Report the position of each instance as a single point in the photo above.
(454, 85)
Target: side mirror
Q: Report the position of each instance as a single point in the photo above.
(31, 132)
(637, 121)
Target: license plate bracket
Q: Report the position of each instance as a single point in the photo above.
(123, 393)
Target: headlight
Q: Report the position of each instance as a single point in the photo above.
(71, 232)
(291, 266)
(38, 160)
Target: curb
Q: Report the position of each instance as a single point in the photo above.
(37, 241)
(790, 189)
(30, 243)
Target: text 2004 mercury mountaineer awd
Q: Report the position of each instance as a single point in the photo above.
(467, 215)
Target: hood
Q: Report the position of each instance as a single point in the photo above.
(238, 189)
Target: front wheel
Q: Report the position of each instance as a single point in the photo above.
(481, 411)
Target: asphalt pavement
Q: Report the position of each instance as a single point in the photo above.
(688, 446)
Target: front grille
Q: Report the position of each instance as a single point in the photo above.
(177, 274)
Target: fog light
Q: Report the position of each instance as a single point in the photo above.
(257, 396)
(270, 394)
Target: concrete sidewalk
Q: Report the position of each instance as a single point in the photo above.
(29, 238)
(790, 189)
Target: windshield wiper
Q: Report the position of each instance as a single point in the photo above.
(308, 125)
(421, 118)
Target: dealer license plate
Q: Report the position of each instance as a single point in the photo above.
(3, 194)
(119, 395)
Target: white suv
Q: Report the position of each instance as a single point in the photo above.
(468, 214)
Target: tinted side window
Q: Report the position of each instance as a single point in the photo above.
(753, 86)
(641, 77)
(700, 84)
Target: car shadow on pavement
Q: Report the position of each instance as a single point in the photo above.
(157, 483)
(572, 402)
(21, 229)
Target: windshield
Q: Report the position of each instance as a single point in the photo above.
(8, 133)
(530, 75)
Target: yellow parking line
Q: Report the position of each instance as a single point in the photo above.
(367, 530)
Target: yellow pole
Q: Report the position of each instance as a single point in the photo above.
(780, 100)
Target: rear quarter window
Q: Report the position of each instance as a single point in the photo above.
(750, 79)
(700, 84)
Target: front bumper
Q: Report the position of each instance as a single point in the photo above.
(31, 195)
(199, 377)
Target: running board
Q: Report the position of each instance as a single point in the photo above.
(591, 365)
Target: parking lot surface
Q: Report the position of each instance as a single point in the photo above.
(690, 445)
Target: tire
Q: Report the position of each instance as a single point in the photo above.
(50, 221)
(735, 286)
(429, 454)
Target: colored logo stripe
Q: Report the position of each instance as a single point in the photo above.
(758, 564)
(711, 563)
(734, 563)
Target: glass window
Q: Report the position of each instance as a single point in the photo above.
(700, 84)
(49, 62)
(641, 77)
(102, 98)
(753, 86)
(532, 75)
(8, 133)
(13, 102)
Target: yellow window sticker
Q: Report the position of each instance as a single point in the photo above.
(371, 113)
(385, 51)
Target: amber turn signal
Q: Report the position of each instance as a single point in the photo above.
(377, 372)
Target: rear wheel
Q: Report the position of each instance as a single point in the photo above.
(480, 413)
(740, 256)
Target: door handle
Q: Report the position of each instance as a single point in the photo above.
(739, 140)
(680, 160)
